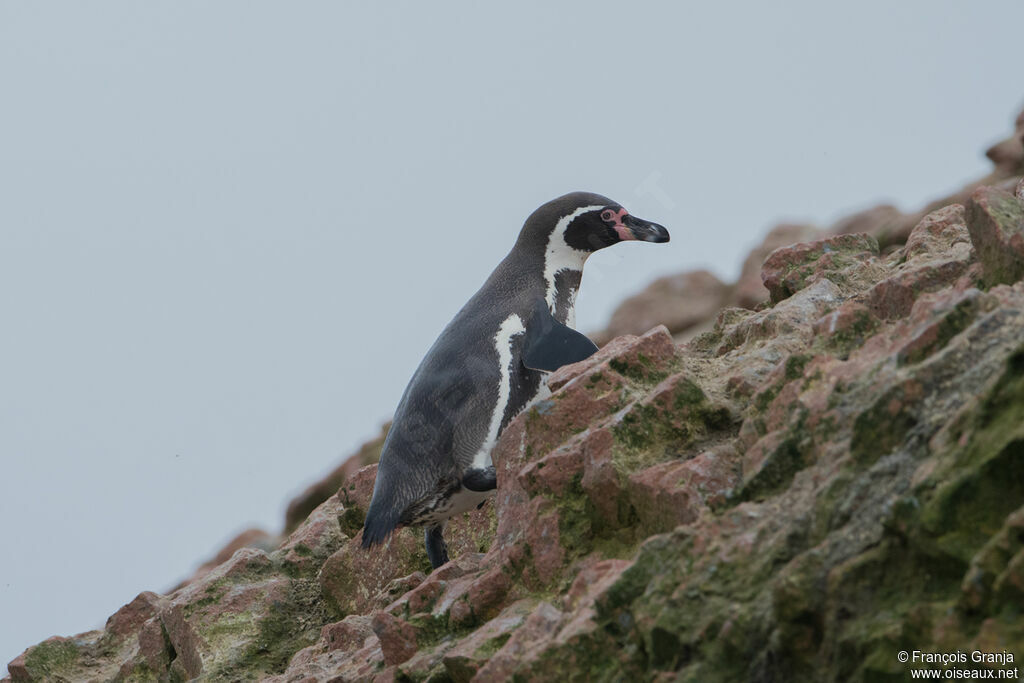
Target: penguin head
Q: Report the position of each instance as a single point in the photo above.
(586, 222)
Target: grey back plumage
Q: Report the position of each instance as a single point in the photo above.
(443, 418)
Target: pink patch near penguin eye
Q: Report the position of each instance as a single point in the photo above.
(615, 218)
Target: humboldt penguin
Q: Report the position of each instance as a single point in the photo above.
(489, 364)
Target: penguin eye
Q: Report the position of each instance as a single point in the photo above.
(607, 215)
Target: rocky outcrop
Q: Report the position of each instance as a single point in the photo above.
(661, 303)
(687, 303)
(798, 493)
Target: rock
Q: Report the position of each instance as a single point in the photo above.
(886, 224)
(750, 291)
(996, 222)
(651, 354)
(524, 645)
(937, 233)
(132, 616)
(465, 660)
(677, 492)
(939, 253)
(1008, 154)
(841, 258)
(250, 538)
(316, 539)
(397, 637)
(347, 649)
(679, 302)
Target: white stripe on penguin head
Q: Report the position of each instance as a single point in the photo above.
(560, 256)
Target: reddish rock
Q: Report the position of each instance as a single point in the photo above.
(346, 650)
(315, 539)
(996, 222)
(487, 593)
(356, 492)
(1008, 154)
(847, 326)
(679, 302)
(749, 290)
(465, 660)
(18, 669)
(154, 647)
(556, 471)
(938, 255)
(185, 641)
(887, 224)
(543, 538)
(575, 406)
(250, 538)
(419, 599)
(592, 581)
(439, 590)
(348, 634)
(600, 478)
(397, 637)
(651, 353)
(130, 618)
(511, 498)
(784, 324)
(769, 463)
(399, 588)
(526, 643)
(936, 319)
(676, 492)
(352, 576)
(676, 414)
(840, 258)
(937, 232)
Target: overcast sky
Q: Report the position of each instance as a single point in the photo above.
(230, 230)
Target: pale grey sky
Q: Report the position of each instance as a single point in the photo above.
(230, 230)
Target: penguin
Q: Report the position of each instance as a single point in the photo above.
(488, 365)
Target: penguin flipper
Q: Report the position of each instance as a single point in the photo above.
(549, 344)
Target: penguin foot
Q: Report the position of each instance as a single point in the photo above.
(437, 549)
(485, 479)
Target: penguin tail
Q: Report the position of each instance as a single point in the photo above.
(378, 526)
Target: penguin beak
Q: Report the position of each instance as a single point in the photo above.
(645, 231)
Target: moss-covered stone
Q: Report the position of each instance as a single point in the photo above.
(52, 659)
(995, 219)
(776, 471)
(882, 427)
